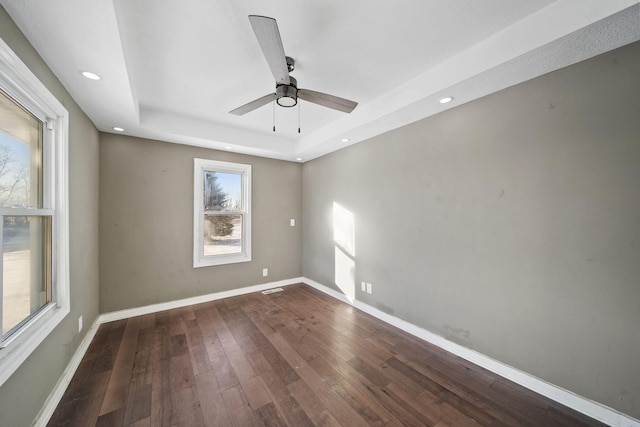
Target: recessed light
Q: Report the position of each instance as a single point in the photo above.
(299, 159)
(118, 129)
(446, 100)
(228, 147)
(345, 140)
(90, 75)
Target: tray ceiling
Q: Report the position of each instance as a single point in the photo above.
(173, 70)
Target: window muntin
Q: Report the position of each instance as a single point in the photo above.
(222, 224)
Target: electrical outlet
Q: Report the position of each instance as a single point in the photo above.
(265, 272)
(363, 286)
(292, 221)
(80, 324)
(369, 288)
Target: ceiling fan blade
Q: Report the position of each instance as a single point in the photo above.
(326, 100)
(268, 36)
(250, 106)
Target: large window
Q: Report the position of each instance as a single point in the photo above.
(34, 283)
(222, 213)
(26, 224)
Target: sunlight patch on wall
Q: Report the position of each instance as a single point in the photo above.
(344, 231)
(344, 236)
(345, 274)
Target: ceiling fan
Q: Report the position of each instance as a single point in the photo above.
(287, 92)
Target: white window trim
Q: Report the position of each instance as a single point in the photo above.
(21, 84)
(201, 165)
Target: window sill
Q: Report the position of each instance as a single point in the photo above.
(17, 348)
(220, 260)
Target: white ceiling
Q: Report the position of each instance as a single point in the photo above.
(172, 70)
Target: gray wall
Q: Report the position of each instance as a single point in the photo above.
(23, 395)
(510, 225)
(146, 223)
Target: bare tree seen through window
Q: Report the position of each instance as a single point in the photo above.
(223, 228)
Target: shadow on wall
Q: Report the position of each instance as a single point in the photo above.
(344, 238)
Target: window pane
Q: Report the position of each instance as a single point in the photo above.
(222, 191)
(26, 256)
(20, 156)
(222, 234)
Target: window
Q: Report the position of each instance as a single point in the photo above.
(34, 283)
(222, 213)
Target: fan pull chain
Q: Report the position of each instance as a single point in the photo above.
(274, 115)
(299, 116)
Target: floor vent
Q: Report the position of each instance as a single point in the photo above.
(271, 291)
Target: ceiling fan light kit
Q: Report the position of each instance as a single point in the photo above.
(287, 95)
(287, 92)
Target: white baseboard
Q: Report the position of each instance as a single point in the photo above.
(153, 308)
(61, 386)
(574, 401)
(52, 401)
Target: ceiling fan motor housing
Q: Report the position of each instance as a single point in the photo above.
(287, 95)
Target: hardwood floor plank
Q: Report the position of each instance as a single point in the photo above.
(258, 362)
(397, 377)
(213, 408)
(325, 370)
(360, 345)
(176, 322)
(142, 371)
(326, 420)
(178, 345)
(378, 395)
(255, 392)
(267, 415)
(223, 371)
(118, 387)
(428, 414)
(88, 406)
(198, 351)
(148, 321)
(238, 360)
(306, 398)
(463, 400)
(562, 418)
(238, 408)
(372, 374)
(458, 394)
(161, 402)
(138, 404)
(286, 405)
(339, 409)
(111, 419)
(362, 405)
(278, 362)
(181, 370)
(145, 422)
(205, 323)
(109, 348)
(296, 358)
(187, 408)
(382, 397)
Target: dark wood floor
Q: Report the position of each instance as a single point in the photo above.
(295, 358)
